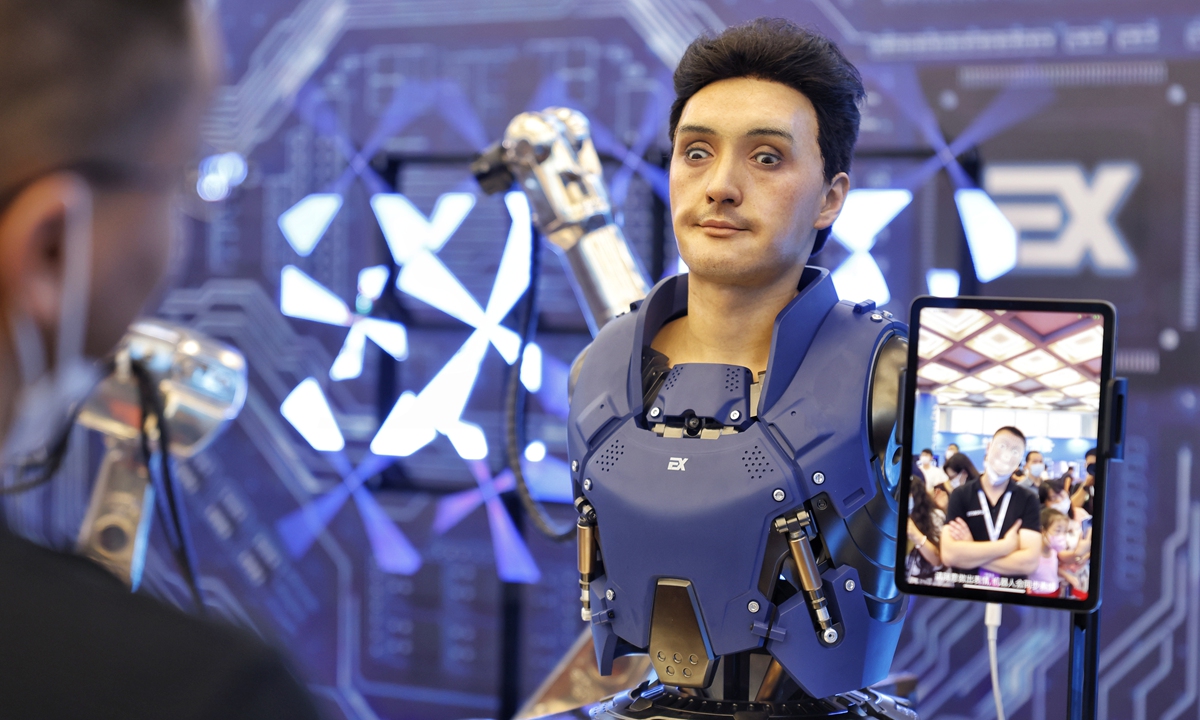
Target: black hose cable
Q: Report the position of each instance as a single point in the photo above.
(174, 520)
(514, 405)
(56, 452)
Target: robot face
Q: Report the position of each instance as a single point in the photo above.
(747, 182)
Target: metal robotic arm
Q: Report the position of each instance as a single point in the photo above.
(551, 156)
(170, 386)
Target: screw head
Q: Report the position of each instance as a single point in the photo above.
(655, 412)
(587, 483)
(850, 586)
(779, 495)
(610, 594)
(818, 478)
(876, 317)
(735, 415)
(687, 673)
(753, 606)
(822, 503)
(574, 466)
(677, 658)
(670, 670)
(830, 635)
(661, 656)
(693, 659)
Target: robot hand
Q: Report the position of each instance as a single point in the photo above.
(202, 384)
(552, 157)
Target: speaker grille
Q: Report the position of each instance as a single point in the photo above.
(610, 455)
(756, 463)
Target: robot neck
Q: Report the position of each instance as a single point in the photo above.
(792, 331)
(725, 324)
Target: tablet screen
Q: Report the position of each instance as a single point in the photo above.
(1006, 412)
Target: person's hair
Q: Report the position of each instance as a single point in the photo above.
(1050, 516)
(1094, 452)
(780, 51)
(951, 445)
(1030, 454)
(958, 463)
(926, 451)
(1012, 431)
(1058, 485)
(922, 510)
(87, 83)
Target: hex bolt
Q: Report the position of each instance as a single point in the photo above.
(655, 412)
(753, 606)
(849, 586)
(610, 594)
(779, 495)
(587, 483)
(818, 478)
(830, 635)
(735, 415)
(574, 466)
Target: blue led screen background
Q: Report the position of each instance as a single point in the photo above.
(1081, 119)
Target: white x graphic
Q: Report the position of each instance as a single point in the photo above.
(416, 419)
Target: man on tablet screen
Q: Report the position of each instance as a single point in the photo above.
(992, 537)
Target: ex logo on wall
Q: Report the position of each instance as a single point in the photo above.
(1065, 219)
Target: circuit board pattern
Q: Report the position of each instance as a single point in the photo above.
(1126, 88)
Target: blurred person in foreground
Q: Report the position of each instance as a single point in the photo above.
(100, 102)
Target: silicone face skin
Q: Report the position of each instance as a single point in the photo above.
(745, 150)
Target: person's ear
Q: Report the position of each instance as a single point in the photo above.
(835, 198)
(33, 231)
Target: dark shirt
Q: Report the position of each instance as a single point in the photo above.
(76, 644)
(1023, 506)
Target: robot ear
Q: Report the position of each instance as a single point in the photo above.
(822, 237)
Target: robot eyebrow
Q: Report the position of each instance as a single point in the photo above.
(771, 132)
(695, 129)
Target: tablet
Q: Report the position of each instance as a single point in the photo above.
(1003, 469)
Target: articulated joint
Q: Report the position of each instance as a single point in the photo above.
(799, 528)
(588, 550)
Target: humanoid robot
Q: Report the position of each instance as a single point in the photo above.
(739, 530)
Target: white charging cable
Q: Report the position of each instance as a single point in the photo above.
(991, 618)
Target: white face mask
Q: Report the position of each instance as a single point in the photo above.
(1062, 506)
(46, 398)
(925, 461)
(1036, 469)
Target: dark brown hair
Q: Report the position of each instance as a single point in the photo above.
(780, 51)
(88, 81)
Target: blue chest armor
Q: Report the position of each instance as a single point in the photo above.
(690, 477)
